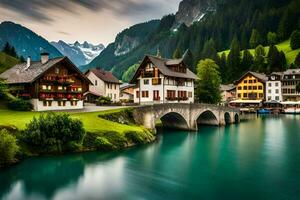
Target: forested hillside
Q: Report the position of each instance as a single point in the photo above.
(244, 23)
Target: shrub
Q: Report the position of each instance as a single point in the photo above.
(135, 137)
(102, 143)
(20, 105)
(8, 147)
(295, 40)
(54, 132)
(104, 101)
(115, 138)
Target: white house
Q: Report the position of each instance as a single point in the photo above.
(104, 84)
(273, 87)
(160, 80)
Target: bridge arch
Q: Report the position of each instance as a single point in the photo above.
(236, 118)
(174, 120)
(208, 117)
(227, 118)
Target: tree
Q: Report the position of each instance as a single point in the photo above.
(255, 39)
(282, 60)
(208, 85)
(177, 53)
(283, 25)
(295, 40)
(274, 59)
(297, 61)
(259, 59)
(234, 60)
(8, 147)
(247, 60)
(272, 38)
(10, 50)
(209, 50)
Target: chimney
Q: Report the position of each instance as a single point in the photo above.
(28, 62)
(44, 57)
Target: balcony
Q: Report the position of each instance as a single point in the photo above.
(156, 81)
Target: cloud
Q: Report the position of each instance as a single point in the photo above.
(130, 8)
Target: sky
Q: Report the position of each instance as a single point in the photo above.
(95, 21)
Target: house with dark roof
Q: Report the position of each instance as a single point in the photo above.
(161, 80)
(104, 83)
(50, 84)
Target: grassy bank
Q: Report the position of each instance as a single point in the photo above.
(105, 130)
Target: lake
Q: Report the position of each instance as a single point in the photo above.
(256, 159)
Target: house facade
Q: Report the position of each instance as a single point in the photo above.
(228, 93)
(126, 92)
(290, 79)
(160, 80)
(273, 87)
(103, 84)
(251, 86)
(50, 84)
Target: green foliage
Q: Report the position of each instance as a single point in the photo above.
(102, 143)
(3, 88)
(295, 40)
(123, 117)
(207, 90)
(7, 62)
(51, 132)
(234, 60)
(209, 50)
(272, 38)
(275, 63)
(19, 105)
(136, 137)
(297, 60)
(8, 147)
(247, 61)
(177, 54)
(255, 39)
(104, 100)
(128, 75)
(9, 50)
(259, 58)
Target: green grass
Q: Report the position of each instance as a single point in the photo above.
(91, 121)
(283, 46)
(7, 62)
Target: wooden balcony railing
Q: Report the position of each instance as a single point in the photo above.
(156, 81)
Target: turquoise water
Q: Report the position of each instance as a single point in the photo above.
(257, 159)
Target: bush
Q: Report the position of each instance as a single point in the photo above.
(123, 116)
(115, 138)
(135, 137)
(104, 101)
(102, 143)
(19, 105)
(54, 132)
(8, 147)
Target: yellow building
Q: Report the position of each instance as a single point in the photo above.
(251, 86)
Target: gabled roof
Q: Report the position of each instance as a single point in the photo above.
(163, 63)
(228, 87)
(104, 75)
(21, 74)
(126, 85)
(262, 77)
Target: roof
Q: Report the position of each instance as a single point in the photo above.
(124, 86)
(260, 76)
(291, 71)
(104, 75)
(163, 63)
(21, 74)
(227, 87)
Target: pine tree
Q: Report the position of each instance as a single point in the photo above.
(255, 39)
(282, 61)
(297, 61)
(177, 53)
(295, 40)
(283, 25)
(259, 59)
(234, 60)
(274, 60)
(272, 38)
(247, 60)
(209, 50)
(6, 48)
(13, 52)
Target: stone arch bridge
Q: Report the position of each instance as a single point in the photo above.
(185, 116)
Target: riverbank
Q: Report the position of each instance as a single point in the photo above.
(108, 130)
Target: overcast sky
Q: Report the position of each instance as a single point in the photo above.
(96, 21)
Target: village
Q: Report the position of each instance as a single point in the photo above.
(57, 84)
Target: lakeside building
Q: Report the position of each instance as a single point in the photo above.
(273, 87)
(49, 84)
(161, 80)
(289, 82)
(250, 89)
(127, 92)
(228, 93)
(104, 83)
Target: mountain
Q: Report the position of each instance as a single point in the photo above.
(80, 54)
(205, 27)
(26, 42)
(124, 43)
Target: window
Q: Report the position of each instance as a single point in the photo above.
(73, 103)
(269, 98)
(245, 81)
(59, 103)
(270, 84)
(146, 82)
(64, 103)
(145, 94)
(269, 91)
(44, 103)
(239, 88)
(156, 95)
(115, 96)
(260, 87)
(250, 81)
(245, 95)
(56, 70)
(245, 87)
(254, 87)
(261, 95)
(190, 94)
(239, 95)
(276, 84)
(277, 91)
(96, 83)
(44, 87)
(254, 81)
(171, 94)
(115, 86)
(137, 94)
(277, 98)
(249, 87)
(59, 87)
